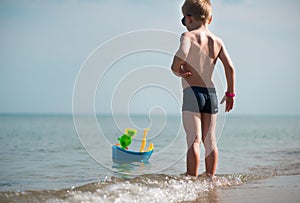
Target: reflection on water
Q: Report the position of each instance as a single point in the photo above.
(131, 168)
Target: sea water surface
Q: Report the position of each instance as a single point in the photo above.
(42, 159)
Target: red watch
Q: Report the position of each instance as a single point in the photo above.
(229, 94)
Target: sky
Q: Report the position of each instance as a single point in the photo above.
(44, 45)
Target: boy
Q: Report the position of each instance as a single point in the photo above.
(194, 61)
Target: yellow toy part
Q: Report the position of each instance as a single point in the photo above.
(144, 141)
(151, 147)
(130, 132)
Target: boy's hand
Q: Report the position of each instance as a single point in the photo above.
(184, 73)
(229, 103)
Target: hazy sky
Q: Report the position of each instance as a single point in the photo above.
(44, 44)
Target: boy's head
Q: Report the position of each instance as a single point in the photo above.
(199, 9)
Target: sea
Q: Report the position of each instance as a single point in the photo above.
(62, 158)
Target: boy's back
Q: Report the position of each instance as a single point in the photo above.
(204, 50)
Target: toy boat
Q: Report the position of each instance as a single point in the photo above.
(123, 155)
(120, 152)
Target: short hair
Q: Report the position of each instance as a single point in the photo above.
(199, 9)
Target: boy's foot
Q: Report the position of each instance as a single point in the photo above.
(211, 177)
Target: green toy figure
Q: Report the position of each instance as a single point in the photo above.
(125, 139)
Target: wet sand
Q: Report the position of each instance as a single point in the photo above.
(275, 189)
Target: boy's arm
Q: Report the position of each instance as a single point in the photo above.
(230, 76)
(180, 57)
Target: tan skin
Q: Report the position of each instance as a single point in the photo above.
(194, 62)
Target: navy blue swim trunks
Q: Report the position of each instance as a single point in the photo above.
(200, 99)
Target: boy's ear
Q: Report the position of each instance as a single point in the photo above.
(190, 19)
(210, 19)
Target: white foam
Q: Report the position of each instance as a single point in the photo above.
(152, 189)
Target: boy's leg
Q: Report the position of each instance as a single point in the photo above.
(192, 127)
(209, 122)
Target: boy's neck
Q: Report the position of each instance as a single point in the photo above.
(198, 26)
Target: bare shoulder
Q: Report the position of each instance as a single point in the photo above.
(187, 35)
(216, 39)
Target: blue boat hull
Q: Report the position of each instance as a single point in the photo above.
(125, 156)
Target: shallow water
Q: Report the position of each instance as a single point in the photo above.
(149, 188)
(42, 159)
